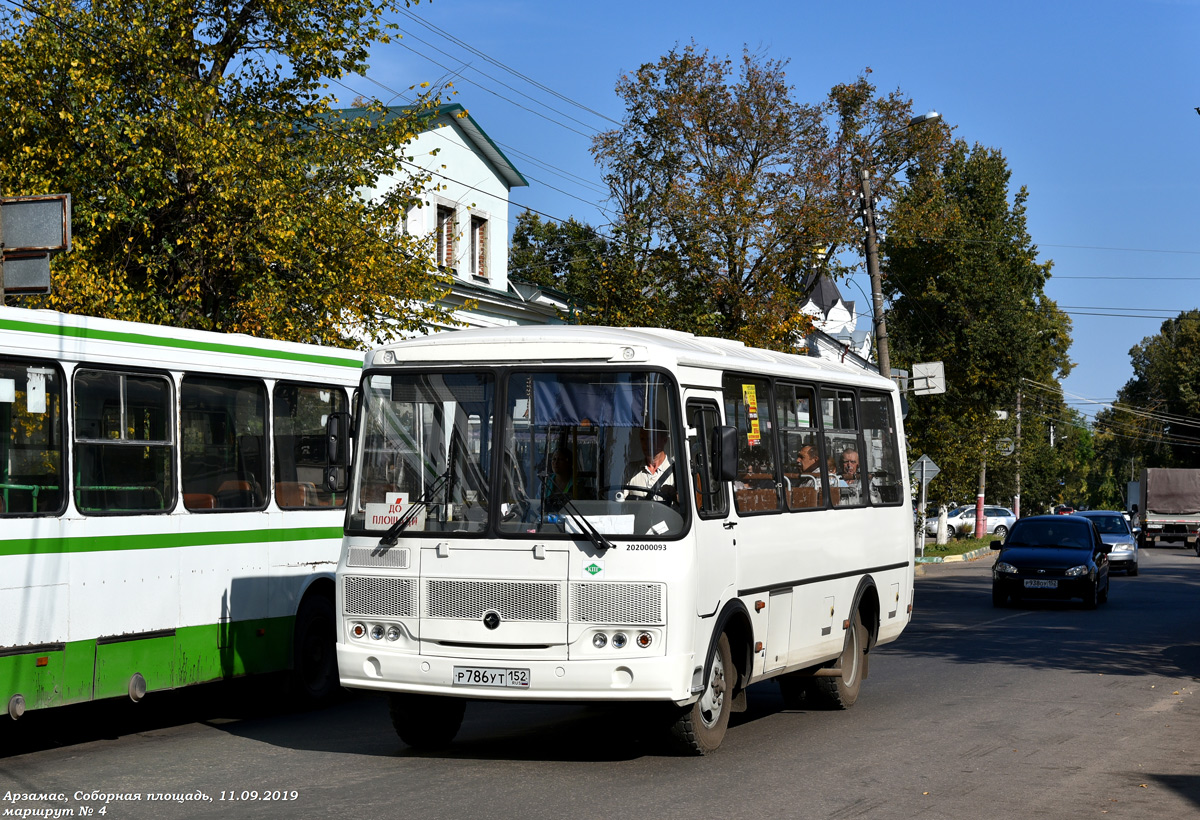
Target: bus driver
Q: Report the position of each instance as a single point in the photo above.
(656, 473)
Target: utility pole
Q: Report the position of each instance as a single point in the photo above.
(872, 243)
(980, 519)
(1017, 497)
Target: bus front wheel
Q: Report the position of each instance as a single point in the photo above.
(426, 721)
(701, 727)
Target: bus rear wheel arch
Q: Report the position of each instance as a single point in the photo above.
(834, 685)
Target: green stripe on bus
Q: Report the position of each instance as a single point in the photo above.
(185, 344)
(80, 671)
(154, 541)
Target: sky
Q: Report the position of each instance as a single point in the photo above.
(1093, 104)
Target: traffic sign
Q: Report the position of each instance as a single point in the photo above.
(924, 469)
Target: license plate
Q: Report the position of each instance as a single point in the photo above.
(1033, 583)
(484, 676)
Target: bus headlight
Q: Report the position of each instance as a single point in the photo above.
(393, 633)
(619, 640)
(377, 633)
(599, 640)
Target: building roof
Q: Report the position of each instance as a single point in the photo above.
(825, 295)
(457, 116)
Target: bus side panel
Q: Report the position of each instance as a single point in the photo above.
(230, 649)
(117, 662)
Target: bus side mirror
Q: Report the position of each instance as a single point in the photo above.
(727, 453)
(337, 452)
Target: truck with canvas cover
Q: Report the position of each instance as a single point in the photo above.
(1169, 506)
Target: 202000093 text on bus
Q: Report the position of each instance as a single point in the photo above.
(167, 515)
(595, 514)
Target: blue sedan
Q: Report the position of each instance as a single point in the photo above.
(1051, 556)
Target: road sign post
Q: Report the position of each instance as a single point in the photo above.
(925, 470)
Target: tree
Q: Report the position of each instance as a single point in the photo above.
(1157, 413)
(213, 184)
(970, 295)
(731, 195)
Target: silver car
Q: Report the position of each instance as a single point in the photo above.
(961, 522)
(1115, 530)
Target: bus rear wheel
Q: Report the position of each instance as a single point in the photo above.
(841, 692)
(426, 721)
(701, 727)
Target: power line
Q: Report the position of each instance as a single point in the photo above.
(507, 68)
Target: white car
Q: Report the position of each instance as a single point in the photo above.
(961, 522)
(1115, 530)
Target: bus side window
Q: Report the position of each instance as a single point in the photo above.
(712, 501)
(748, 408)
(124, 449)
(298, 429)
(882, 456)
(32, 481)
(802, 481)
(224, 448)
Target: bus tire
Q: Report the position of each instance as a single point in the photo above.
(426, 722)
(841, 692)
(314, 654)
(701, 727)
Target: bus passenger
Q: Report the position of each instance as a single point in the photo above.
(852, 481)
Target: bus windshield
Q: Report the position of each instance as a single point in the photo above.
(425, 447)
(576, 454)
(590, 450)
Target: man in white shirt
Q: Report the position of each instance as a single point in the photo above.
(852, 492)
(656, 473)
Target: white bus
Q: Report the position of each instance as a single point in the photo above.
(164, 512)
(595, 514)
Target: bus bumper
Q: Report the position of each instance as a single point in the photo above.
(626, 679)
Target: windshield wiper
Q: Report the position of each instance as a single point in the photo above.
(414, 509)
(585, 527)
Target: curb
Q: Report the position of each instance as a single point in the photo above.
(949, 559)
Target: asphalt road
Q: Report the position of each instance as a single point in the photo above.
(1045, 710)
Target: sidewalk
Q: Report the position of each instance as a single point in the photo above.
(945, 559)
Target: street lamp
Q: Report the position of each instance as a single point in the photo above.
(872, 246)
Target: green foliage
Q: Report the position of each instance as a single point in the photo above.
(732, 195)
(213, 186)
(971, 295)
(1156, 419)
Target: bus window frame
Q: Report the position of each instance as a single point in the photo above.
(65, 437)
(274, 452)
(172, 443)
(266, 483)
(711, 454)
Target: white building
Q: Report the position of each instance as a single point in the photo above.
(469, 213)
(836, 336)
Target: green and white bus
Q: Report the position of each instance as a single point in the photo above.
(164, 517)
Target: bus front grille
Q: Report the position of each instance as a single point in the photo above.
(394, 558)
(513, 600)
(379, 597)
(614, 603)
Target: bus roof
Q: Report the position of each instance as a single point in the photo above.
(70, 337)
(632, 345)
